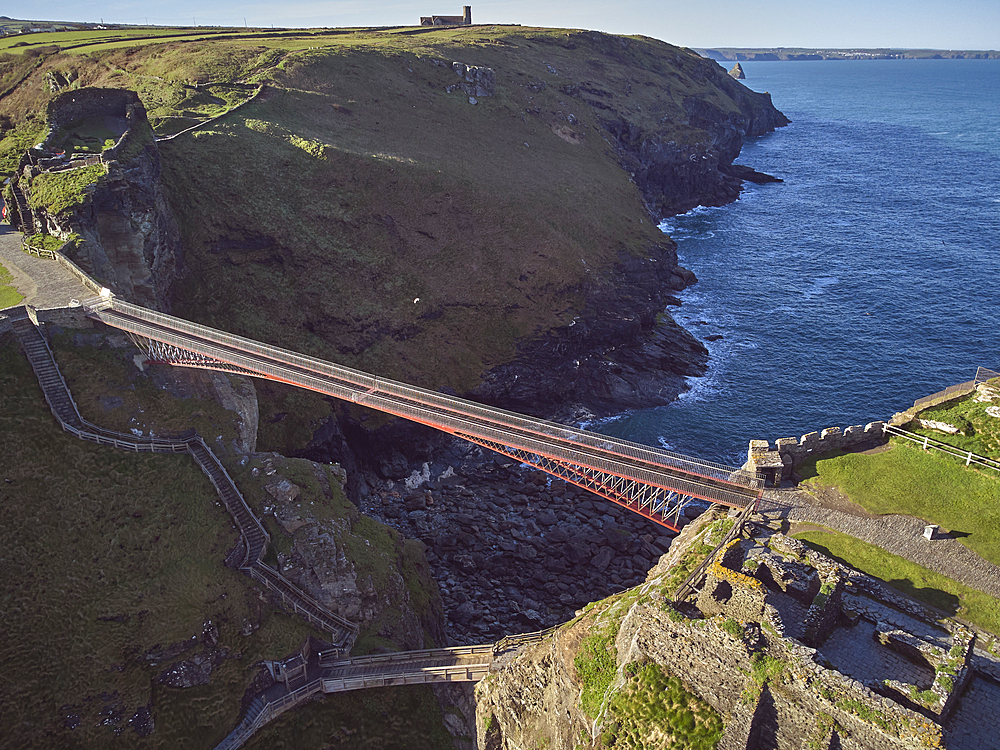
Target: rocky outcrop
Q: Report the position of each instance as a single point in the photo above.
(348, 562)
(478, 81)
(740, 683)
(129, 238)
(675, 176)
(737, 72)
(623, 352)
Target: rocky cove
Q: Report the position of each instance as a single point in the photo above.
(511, 550)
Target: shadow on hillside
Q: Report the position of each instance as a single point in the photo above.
(937, 598)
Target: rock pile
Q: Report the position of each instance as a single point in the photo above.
(514, 550)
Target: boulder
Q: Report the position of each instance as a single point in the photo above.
(603, 558)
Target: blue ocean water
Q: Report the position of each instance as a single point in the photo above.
(867, 279)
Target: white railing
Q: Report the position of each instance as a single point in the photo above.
(926, 443)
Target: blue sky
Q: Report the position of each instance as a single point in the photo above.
(939, 24)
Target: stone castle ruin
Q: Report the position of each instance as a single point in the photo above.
(121, 229)
(463, 20)
(888, 659)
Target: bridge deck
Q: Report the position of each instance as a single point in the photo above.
(194, 345)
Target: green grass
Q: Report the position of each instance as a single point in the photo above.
(9, 296)
(656, 710)
(158, 535)
(91, 136)
(984, 436)
(45, 242)
(764, 669)
(393, 718)
(596, 663)
(913, 580)
(18, 138)
(596, 660)
(355, 202)
(58, 192)
(925, 484)
(106, 556)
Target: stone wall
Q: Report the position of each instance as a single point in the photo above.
(67, 317)
(824, 612)
(72, 106)
(793, 451)
(772, 691)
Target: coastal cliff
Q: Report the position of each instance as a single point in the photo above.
(731, 671)
(471, 209)
(109, 201)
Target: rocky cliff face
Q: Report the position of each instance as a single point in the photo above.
(675, 177)
(636, 668)
(623, 352)
(128, 237)
(348, 562)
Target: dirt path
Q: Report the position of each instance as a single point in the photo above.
(900, 535)
(43, 282)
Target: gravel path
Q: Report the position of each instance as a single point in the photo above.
(900, 535)
(44, 283)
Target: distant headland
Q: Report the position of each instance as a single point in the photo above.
(808, 53)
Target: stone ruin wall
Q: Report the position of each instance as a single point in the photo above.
(782, 715)
(72, 106)
(790, 452)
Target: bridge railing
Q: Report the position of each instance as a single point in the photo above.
(519, 639)
(409, 656)
(689, 583)
(600, 452)
(361, 381)
(457, 673)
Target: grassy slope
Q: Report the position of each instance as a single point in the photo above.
(984, 435)
(109, 555)
(357, 184)
(368, 187)
(106, 556)
(927, 485)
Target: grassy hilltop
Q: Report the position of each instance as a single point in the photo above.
(362, 209)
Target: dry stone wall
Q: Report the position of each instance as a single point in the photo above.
(790, 452)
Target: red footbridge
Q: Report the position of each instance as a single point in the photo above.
(654, 483)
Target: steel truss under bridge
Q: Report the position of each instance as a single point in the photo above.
(654, 483)
(664, 506)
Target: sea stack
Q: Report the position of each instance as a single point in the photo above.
(737, 72)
